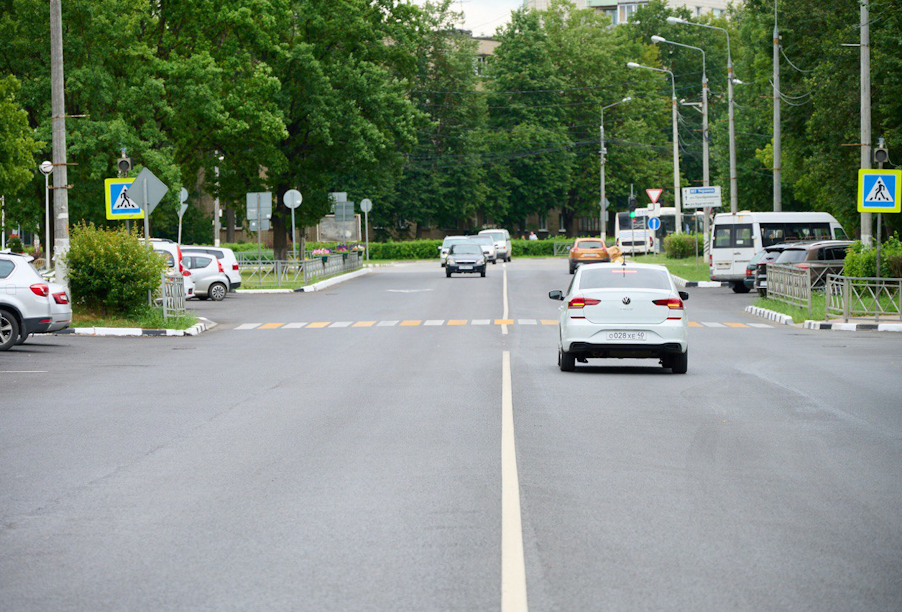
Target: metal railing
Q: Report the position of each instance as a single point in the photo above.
(819, 273)
(278, 273)
(562, 248)
(851, 296)
(172, 294)
(789, 284)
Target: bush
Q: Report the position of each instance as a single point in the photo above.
(862, 261)
(533, 248)
(15, 245)
(110, 271)
(681, 246)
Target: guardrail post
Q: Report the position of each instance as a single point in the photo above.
(846, 298)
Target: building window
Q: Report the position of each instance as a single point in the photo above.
(543, 223)
(626, 11)
(612, 15)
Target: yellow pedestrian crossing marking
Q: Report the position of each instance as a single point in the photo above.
(461, 322)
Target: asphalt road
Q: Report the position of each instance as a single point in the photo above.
(359, 464)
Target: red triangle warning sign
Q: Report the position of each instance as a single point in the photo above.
(654, 194)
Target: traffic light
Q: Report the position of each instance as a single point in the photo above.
(881, 154)
(632, 206)
(125, 164)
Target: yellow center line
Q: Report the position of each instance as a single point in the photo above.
(457, 322)
(504, 321)
(735, 324)
(318, 325)
(411, 323)
(271, 326)
(364, 324)
(549, 321)
(694, 324)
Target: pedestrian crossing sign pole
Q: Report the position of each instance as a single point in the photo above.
(879, 191)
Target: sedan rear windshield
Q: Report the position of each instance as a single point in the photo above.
(590, 244)
(450, 241)
(619, 277)
(469, 249)
(792, 256)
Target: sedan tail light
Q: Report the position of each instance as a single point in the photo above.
(235, 266)
(579, 302)
(186, 272)
(671, 303)
(40, 289)
(61, 298)
(749, 272)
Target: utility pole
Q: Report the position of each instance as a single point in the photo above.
(217, 226)
(603, 207)
(778, 189)
(866, 236)
(2, 222)
(58, 106)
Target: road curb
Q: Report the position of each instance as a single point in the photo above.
(323, 284)
(770, 315)
(682, 282)
(881, 327)
(200, 327)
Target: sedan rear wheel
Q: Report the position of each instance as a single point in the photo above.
(217, 292)
(740, 288)
(679, 363)
(567, 361)
(9, 330)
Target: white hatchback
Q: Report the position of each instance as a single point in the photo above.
(623, 311)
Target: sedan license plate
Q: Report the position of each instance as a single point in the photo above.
(466, 267)
(634, 336)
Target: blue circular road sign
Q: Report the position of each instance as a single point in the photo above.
(654, 223)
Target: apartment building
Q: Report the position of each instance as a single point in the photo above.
(620, 11)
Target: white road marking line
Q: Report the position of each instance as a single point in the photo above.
(506, 312)
(249, 326)
(342, 324)
(513, 562)
(709, 324)
(526, 321)
(294, 325)
(434, 322)
(386, 323)
(481, 322)
(23, 371)
(761, 325)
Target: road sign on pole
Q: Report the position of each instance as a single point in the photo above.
(702, 197)
(146, 192)
(366, 205)
(259, 212)
(119, 206)
(879, 191)
(292, 199)
(654, 223)
(654, 194)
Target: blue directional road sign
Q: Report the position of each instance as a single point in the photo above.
(879, 191)
(118, 204)
(654, 223)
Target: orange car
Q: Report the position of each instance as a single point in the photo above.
(587, 250)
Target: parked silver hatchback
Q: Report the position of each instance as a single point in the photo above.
(28, 303)
(209, 276)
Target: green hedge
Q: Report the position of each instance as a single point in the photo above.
(110, 271)
(861, 261)
(681, 246)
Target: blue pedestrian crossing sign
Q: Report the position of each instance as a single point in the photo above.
(654, 223)
(879, 191)
(118, 205)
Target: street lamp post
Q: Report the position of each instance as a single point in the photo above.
(676, 145)
(706, 171)
(734, 196)
(46, 169)
(603, 204)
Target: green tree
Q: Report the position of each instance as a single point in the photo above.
(17, 143)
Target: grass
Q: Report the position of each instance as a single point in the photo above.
(145, 318)
(292, 285)
(799, 315)
(684, 268)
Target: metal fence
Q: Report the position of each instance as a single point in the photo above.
(562, 248)
(789, 284)
(278, 273)
(172, 292)
(850, 296)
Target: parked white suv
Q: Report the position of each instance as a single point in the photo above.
(28, 303)
(225, 256)
(172, 254)
(209, 276)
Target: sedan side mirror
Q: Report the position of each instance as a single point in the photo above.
(684, 295)
(556, 295)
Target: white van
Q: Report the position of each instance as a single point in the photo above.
(737, 237)
(502, 238)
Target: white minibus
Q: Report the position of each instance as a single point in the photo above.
(736, 237)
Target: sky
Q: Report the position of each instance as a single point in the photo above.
(483, 16)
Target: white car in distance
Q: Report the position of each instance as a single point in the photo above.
(623, 311)
(446, 246)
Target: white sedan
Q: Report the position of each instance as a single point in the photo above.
(623, 311)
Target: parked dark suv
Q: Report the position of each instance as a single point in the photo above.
(819, 258)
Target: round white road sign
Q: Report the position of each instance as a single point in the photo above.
(366, 205)
(292, 198)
